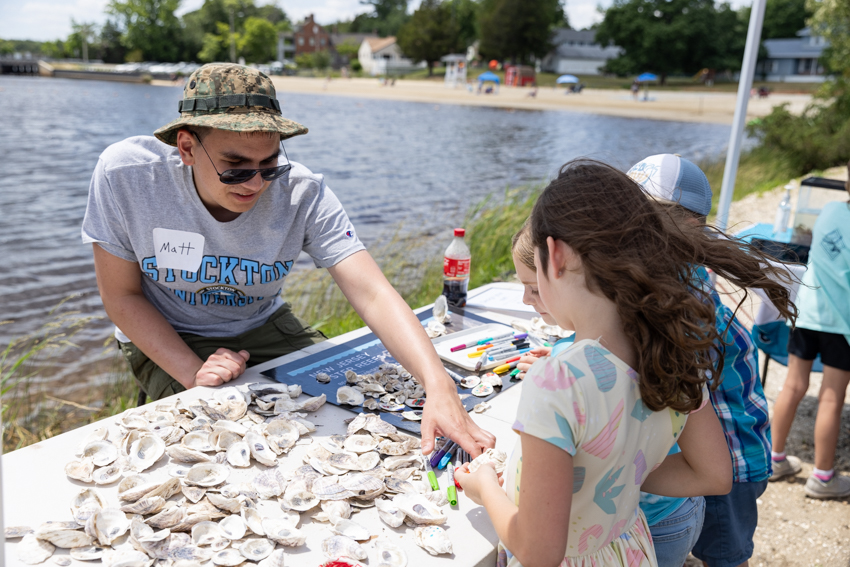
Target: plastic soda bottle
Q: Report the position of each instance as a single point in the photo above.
(783, 212)
(456, 270)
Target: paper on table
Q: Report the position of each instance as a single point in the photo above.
(501, 299)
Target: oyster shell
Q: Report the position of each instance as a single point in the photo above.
(101, 453)
(257, 549)
(368, 461)
(207, 474)
(283, 533)
(494, 456)
(470, 381)
(253, 520)
(106, 475)
(323, 378)
(183, 454)
(33, 551)
(312, 404)
(350, 396)
(108, 524)
(298, 497)
(206, 533)
(260, 450)
(389, 513)
(87, 553)
(341, 546)
(441, 310)
(482, 390)
(233, 527)
(419, 509)
(389, 553)
(14, 532)
(283, 432)
(67, 539)
(85, 503)
(352, 529)
(80, 470)
(145, 451)
(193, 493)
(145, 506)
(198, 441)
(273, 560)
(239, 455)
(432, 539)
(228, 557)
(362, 486)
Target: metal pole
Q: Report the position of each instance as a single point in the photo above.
(744, 85)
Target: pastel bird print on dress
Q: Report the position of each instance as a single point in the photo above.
(601, 445)
(606, 492)
(555, 377)
(565, 441)
(603, 369)
(593, 531)
(640, 467)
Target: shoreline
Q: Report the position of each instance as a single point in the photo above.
(677, 106)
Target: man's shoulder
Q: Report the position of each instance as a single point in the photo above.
(138, 151)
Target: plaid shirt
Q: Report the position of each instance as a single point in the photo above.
(739, 400)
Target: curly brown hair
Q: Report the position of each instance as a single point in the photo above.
(643, 256)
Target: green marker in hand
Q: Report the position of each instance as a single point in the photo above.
(451, 490)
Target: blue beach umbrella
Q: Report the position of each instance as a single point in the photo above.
(488, 76)
(567, 79)
(646, 77)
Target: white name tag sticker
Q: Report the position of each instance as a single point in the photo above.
(177, 249)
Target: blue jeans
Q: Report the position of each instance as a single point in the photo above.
(675, 536)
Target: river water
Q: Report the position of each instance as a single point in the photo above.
(390, 163)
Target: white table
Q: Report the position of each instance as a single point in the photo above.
(37, 490)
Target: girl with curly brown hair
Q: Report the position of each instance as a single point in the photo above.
(597, 420)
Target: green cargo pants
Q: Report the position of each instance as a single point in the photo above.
(281, 334)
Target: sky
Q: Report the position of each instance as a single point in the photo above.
(45, 20)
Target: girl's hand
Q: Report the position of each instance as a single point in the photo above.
(531, 357)
(476, 484)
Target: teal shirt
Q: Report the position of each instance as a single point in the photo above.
(823, 296)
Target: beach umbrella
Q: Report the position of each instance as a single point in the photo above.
(567, 79)
(488, 76)
(646, 77)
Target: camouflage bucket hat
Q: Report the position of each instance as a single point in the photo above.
(231, 97)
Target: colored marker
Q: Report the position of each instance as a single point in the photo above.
(463, 346)
(454, 375)
(432, 478)
(509, 348)
(480, 363)
(496, 338)
(435, 460)
(495, 357)
(514, 372)
(502, 343)
(452, 490)
(505, 367)
(447, 457)
(476, 354)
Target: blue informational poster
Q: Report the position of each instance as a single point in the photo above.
(364, 355)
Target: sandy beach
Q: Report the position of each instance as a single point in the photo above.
(717, 108)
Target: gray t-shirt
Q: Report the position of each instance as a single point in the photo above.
(225, 277)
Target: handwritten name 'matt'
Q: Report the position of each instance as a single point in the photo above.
(184, 248)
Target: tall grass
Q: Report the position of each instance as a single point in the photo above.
(31, 412)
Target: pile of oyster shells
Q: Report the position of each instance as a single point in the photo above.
(198, 517)
(389, 388)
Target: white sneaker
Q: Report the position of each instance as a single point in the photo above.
(836, 487)
(786, 467)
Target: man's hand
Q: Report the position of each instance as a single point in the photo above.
(222, 366)
(445, 415)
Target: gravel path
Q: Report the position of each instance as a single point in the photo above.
(796, 531)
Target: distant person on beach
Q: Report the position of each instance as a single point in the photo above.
(635, 89)
(726, 537)
(195, 231)
(823, 328)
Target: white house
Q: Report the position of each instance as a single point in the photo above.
(577, 53)
(381, 55)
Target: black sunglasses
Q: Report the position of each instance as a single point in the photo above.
(237, 176)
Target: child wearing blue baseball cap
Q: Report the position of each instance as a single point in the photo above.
(726, 535)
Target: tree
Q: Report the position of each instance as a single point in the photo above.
(430, 33)
(150, 27)
(676, 36)
(258, 42)
(387, 18)
(111, 49)
(518, 30)
(831, 21)
(782, 18)
(85, 33)
(217, 45)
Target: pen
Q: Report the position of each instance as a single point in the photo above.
(509, 348)
(454, 375)
(511, 353)
(451, 490)
(480, 363)
(435, 460)
(505, 367)
(432, 478)
(447, 457)
(514, 372)
(501, 343)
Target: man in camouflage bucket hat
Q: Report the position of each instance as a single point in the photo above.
(192, 247)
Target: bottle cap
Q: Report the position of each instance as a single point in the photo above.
(460, 232)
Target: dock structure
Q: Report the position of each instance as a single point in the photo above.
(19, 67)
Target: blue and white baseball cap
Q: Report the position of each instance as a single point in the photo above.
(673, 179)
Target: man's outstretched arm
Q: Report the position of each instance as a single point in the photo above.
(120, 284)
(390, 318)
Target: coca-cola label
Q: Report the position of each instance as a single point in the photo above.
(453, 268)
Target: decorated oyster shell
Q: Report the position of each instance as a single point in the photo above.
(432, 539)
(482, 390)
